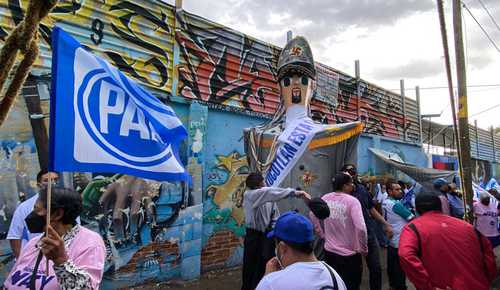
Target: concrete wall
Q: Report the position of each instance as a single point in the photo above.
(218, 81)
(371, 165)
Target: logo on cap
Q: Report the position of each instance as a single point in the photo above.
(296, 51)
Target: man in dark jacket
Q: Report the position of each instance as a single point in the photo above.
(369, 213)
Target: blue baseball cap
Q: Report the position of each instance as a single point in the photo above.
(293, 227)
(440, 182)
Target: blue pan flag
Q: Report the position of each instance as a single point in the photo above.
(102, 121)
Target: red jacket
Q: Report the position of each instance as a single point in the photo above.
(450, 254)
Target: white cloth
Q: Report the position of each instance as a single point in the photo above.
(293, 113)
(301, 276)
(18, 229)
(381, 196)
(293, 142)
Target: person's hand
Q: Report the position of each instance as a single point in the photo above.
(52, 247)
(388, 231)
(272, 265)
(304, 195)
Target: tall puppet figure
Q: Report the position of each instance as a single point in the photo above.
(291, 150)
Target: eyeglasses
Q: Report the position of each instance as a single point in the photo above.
(287, 80)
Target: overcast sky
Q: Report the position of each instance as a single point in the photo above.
(393, 39)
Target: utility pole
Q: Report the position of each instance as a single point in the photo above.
(463, 119)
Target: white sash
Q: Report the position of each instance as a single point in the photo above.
(292, 144)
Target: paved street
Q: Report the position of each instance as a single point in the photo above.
(231, 279)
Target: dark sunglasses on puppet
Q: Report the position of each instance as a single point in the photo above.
(296, 88)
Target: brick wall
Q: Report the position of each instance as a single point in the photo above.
(166, 252)
(218, 249)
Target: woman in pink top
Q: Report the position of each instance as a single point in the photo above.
(486, 218)
(344, 232)
(76, 255)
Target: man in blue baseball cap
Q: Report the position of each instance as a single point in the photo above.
(442, 187)
(295, 266)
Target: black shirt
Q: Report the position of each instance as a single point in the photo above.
(366, 201)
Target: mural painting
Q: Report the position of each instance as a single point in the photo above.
(143, 30)
(223, 219)
(225, 67)
(335, 101)
(379, 110)
(18, 169)
(164, 230)
(212, 63)
(147, 226)
(482, 171)
(134, 217)
(142, 222)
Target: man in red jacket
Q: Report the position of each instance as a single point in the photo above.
(437, 251)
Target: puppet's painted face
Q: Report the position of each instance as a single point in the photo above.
(296, 89)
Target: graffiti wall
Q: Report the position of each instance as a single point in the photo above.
(218, 81)
(225, 67)
(183, 55)
(18, 169)
(225, 174)
(482, 171)
(136, 36)
(150, 229)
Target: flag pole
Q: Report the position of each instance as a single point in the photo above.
(47, 221)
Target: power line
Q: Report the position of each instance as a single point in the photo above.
(489, 14)
(480, 26)
(484, 111)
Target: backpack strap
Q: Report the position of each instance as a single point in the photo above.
(32, 285)
(334, 279)
(414, 229)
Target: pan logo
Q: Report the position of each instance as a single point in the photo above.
(120, 120)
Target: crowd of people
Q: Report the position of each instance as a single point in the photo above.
(426, 239)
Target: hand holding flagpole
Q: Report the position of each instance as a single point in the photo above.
(47, 221)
